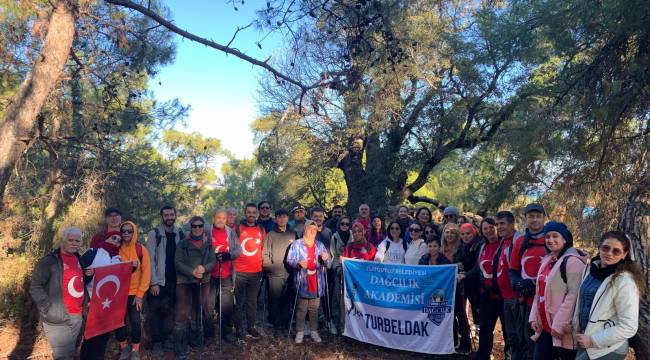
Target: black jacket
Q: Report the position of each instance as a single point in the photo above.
(46, 289)
(276, 246)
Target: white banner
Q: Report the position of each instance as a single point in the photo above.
(406, 307)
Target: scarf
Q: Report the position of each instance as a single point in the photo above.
(111, 249)
(601, 273)
(312, 274)
(344, 235)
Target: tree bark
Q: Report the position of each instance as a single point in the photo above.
(20, 116)
(635, 221)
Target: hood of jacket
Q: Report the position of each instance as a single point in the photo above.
(127, 250)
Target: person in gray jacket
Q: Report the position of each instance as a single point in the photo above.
(58, 292)
(161, 298)
(276, 245)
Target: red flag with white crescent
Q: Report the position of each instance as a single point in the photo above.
(109, 296)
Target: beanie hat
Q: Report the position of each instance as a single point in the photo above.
(470, 227)
(562, 230)
(108, 234)
(451, 210)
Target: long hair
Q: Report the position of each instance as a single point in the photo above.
(388, 230)
(627, 264)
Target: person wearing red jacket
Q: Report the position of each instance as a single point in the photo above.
(248, 273)
(359, 248)
(526, 256)
(506, 229)
(491, 302)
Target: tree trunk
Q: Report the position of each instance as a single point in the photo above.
(635, 222)
(20, 116)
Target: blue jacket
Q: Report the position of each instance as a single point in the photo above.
(298, 253)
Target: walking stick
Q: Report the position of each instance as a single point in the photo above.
(220, 313)
(293, 312)
(200, 309)
(327, 296)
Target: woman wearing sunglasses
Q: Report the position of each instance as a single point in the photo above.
(607, 310)
(194, 260)
(417, 248)
(137, 254)
(341, 237)
(393, 248)
(106, 253)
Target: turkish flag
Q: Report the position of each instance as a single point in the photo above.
(109, 296)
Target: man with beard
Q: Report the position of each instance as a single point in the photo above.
(265, 219)
(332, 222)
(161, 245)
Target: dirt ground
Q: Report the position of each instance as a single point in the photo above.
(30, 343)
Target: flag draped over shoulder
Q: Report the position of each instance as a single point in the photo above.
(108, 300)
(399, 306)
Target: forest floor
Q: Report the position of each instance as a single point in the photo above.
(29, 342)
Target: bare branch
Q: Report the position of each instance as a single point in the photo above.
(228, 50)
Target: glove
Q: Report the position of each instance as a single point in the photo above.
(527, 288)
(224, 256)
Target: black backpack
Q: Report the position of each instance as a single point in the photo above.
(563, 265)
(404, 245)
(159, 237)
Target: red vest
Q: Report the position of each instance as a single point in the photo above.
(486, 265)
(221, 245)
(73, 287)
(251, 239)
(503, 276)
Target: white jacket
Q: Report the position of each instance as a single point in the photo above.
(614, 314)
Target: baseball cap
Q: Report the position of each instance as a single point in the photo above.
(534, 207)
(111, 210)
(297, 207)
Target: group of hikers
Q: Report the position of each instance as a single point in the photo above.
(552, 299)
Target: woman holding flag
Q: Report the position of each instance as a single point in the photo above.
(106, 253)
(309, 259)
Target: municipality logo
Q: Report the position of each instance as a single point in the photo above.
(437, 308)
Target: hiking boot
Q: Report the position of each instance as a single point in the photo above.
(332, 328)
(158, 350)
(229, 338)
(241, 337)
(300, 335)
(314, 335)
(252, 332)
(125, 354)
(135, 355)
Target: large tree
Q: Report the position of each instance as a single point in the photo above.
(410, 83)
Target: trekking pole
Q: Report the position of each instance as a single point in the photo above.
(220, 313)
(327, 295)
(295, 301)
(200, 308)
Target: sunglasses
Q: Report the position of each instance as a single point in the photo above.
(345, 224)
(265, 207)
(196, 226)
(415, 230)
(449, 216)
(116, 238)
(395, 228)
(125, 231)
(614, 251)
(428, 232)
